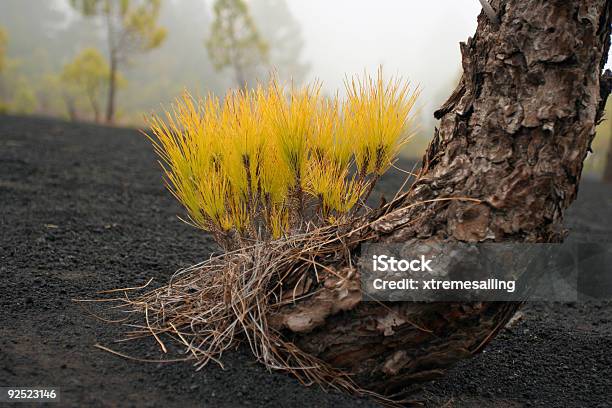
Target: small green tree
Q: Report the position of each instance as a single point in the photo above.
(131, 27)
(234, 40)
(88, 73)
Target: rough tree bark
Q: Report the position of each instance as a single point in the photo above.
(514, 135)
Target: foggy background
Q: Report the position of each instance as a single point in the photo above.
(307, 40)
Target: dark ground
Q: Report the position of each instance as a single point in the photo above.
(82, 209)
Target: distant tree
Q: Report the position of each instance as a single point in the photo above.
(24, 98)
(87, 73)
(69, 95)
(234, 40)
(49, 94)
(3, 45)
(17, 94)
(131, 27)
(283, 34)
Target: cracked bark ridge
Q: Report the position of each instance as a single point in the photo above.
(514, 135)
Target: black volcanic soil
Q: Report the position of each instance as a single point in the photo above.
(82, 209)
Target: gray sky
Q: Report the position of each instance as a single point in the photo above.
(417, 39)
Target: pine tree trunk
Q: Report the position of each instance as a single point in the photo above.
(94, 106)
(514, 135)
(112, 85)
(71, 108)
(113, 48)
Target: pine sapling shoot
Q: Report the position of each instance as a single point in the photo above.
(274, 161)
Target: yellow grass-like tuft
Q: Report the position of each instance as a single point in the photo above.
(273, 160)
(377, 116)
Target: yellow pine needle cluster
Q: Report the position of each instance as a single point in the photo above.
(375, 114)
(265, 162)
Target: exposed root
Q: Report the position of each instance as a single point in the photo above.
(237, 297)
(261, 296)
